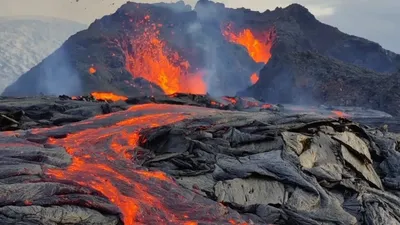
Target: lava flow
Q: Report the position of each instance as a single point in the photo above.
(108, 96)
(340, 114)
(104, 155)
(259, 48)
(254, 78)
(154, 61)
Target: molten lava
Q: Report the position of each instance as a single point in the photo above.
(92, 70)
(259, 48)
(254, 78)
(108, 96)
(153, 60)
(104, 159)
(340, 114)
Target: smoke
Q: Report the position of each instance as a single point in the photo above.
(57, 76)
(209, 70)
(220, 76)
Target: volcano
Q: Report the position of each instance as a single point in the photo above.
(151, 49)
(147, 128)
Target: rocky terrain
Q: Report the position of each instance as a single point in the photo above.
(219, 165)
(26, 41)
(137, 134)
(311, 78)
(117, 54)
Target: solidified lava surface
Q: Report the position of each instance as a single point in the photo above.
(104, 151)
(155, 163)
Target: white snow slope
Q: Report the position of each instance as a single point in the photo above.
(25, 42)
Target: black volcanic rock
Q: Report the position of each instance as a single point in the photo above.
(310, 78)
(219, 167)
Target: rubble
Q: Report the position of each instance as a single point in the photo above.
(34, 112)
(266, 167)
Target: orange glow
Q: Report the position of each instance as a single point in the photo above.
(232, 100)
(159, 64)
(266, 106)
(254, 78)
(97, 170)
(259, 48)
(108, 96)
(92, 70)
(340, 114)
(104, 160)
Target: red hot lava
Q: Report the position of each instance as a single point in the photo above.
(254, 78)
(259, 47)
(340, 114)
(108, 96)
(103, 150)
(157, 63)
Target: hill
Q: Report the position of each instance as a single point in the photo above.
(25, 42)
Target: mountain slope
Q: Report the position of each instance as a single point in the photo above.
(312, 79)
(131, 44)
(25, 42)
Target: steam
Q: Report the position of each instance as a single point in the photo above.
(219, 75)
(209, 47)
(58, 76)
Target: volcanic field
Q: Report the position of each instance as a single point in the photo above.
(163, 114)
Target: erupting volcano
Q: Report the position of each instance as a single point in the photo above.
(142, 143)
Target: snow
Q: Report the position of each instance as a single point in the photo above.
(25, 42)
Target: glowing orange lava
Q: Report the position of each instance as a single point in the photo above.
(92, 70)
(154, 61)
(231, 100)
(340, 114)
(104, 160)
(108, 96)
(259, 48)
(254, 78)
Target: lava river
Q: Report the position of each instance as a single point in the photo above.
(104, 154)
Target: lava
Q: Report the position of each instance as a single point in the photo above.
(254, 78)
(153, 60)
(104, 160)
(108, 96)
(92, 70)
(231, 100)
(258, 47)
(340, 114)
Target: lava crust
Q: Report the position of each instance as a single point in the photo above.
(181, 164)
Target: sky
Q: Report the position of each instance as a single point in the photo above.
(371, 19)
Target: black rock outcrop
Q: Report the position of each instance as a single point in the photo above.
(311, 78)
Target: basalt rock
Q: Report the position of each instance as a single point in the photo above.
(221, 167)
(35, 112)
(311, 78)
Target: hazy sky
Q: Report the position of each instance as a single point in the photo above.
(372, 19)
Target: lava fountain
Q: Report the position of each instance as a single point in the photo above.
(153, 60)
(258, 46)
